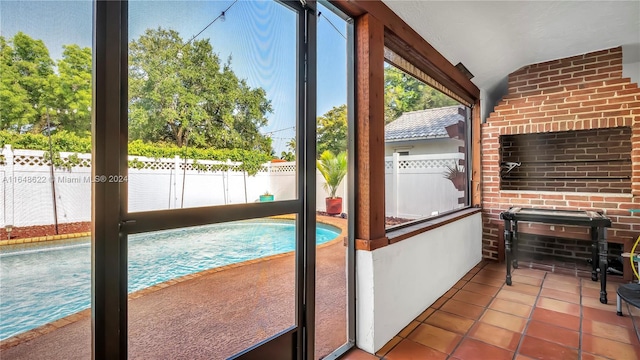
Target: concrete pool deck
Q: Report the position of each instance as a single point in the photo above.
(209, 315)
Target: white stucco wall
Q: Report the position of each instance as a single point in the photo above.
(398, 282)
(631, 62)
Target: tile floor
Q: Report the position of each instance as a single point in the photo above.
(543, 315)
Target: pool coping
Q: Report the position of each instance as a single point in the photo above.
(44, 238)
(70, 319)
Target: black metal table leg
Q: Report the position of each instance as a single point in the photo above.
(507, 249)
(604, 252)
(594, 253)
(514, 246)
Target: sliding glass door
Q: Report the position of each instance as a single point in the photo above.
(202, 246)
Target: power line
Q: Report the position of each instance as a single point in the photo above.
(339, 32)
(279, 130)
(222, 15)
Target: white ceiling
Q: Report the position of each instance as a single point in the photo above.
(495, 38)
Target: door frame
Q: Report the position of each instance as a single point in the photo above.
(112, 222)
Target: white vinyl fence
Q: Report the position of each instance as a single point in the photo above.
(26, 192)
(415, 186)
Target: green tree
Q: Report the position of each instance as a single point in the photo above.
(403, 93)
(180, 93)
(29, 70)
(332, 130)
(16, 111)
(72, 91)
(290, 154)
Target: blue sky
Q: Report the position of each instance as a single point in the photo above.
(258, 35)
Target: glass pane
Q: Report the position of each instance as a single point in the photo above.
(332, 129)
(212, 291)
(426, 141)
(45, 179)
(212, 103)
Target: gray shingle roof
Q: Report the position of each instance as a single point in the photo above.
(423, 124)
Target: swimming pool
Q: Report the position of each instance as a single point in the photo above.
(40, 284)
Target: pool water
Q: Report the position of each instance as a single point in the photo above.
(40, 284)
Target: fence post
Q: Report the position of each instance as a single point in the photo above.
(395, 176)
(8, 185)
(228, 199)
(176, 171)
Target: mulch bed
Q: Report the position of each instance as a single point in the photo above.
(79, 227)
(46, 230)
(389, 220)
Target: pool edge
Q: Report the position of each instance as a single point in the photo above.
(86, 313)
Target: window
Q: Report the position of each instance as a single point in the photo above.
(431, 178)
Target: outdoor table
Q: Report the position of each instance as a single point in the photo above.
(593, 219)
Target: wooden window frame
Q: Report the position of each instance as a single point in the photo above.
(376, 27)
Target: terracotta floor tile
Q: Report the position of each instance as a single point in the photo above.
(494, 335)
(563, 278)
(471, 349)
(539, 274)
(541, 349)
(408, 329)
(435, 337)
(410, 350)
(505, 321)
(521, 279)
(554, 334)
(357, 354)
(560, 295)
(611, 286)
(487, 280)
(515, 296)
(472, 298)
(468, 276)
(561, 286)
(591, 292)
(633, 310)
(450, 322)
(524, 288)
(556, 318)
(439, 302)
(450, 293)
(609, 348)
(475, 270)
(591, 284)
(481, 288)
(459, 284)
(425, 314)
(463, 309)
(621, 334)
(499, 267)
(606, 317)
(511, 307)
(595, 302)
(522, 357)
(559, 306)
(492, 273)
(586, 356)
(388, 346)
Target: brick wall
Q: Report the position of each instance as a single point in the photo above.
(577, 93)
(530, 245)
(597, 160)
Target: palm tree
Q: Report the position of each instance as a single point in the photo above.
(333, 168)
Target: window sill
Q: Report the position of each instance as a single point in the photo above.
(397, 235)
(404, 233)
